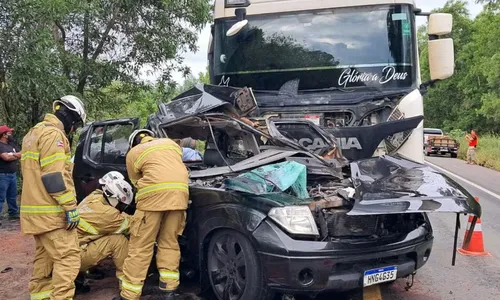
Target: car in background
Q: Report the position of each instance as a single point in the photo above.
(431, 131)
(436, 142)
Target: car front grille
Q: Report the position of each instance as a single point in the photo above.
(341, 225)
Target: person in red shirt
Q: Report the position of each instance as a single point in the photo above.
(471, 152)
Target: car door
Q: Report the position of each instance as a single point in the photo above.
(102, 147)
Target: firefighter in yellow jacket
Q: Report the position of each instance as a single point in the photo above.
(155, 167)
(48, 201)
(102, 226)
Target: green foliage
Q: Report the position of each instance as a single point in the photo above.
(49, 48)
(122, 100)
(487, 151)
(190, 81)
(471, 98)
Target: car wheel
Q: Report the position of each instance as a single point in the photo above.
(427, 153)
(454, 155)
(234, 270)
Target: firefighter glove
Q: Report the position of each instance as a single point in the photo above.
(72, 218)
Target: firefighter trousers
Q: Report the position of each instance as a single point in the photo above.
(56, 265)
(148, 227)
(114, 246)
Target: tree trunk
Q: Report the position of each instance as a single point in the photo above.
(82, 81)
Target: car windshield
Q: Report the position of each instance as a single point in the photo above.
(345, 47)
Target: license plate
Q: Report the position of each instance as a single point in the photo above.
(313, 118)
(380, 275)
(444, 149)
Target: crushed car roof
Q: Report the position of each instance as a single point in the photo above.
(383, 185)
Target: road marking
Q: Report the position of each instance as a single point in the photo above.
(464, 180)
(372, 292)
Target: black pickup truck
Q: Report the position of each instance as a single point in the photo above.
(365, 221)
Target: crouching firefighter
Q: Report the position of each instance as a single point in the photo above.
(155, 167)
(102, 227)
(48, 201)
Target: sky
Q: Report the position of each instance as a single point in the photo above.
(197, 61)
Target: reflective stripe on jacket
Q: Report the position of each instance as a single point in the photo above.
(45, 150)
(98, 218)
(155, 167)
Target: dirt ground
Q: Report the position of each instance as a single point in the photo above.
(16, 265)
(16, 252)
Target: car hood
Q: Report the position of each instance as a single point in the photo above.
(394, 185)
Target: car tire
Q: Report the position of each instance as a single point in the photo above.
(427, 153)
(234, 269)
(454, 155)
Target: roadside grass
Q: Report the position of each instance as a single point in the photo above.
(487, 151)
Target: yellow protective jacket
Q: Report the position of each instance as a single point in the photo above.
(98, 218)
(155, 167)
(46, 154)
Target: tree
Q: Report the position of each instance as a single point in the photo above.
(101, 41)
(444, 104)
(190, 81)
(470, 99)
(30, 74)
(49, 48)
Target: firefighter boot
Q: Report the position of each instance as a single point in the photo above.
(170, 295)
(81, 286)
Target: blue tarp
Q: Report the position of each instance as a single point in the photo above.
(273, 178)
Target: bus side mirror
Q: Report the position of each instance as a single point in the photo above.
(241, 14)
(440, 24)
(441, 50)
(236, 28)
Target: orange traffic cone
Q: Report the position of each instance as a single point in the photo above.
(476, 245)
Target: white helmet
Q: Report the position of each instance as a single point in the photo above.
(116, 188)
(73, 104)
(136, 132)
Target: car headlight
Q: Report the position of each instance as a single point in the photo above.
(295, 219)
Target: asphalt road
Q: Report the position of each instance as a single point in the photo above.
(471, 277)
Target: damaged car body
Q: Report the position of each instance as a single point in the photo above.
(269, 215)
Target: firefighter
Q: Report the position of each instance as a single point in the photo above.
(102, 225)
(48, 201)
(155, 167)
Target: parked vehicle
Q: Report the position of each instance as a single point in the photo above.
(364, 222)
(430, 132)
(441, 144)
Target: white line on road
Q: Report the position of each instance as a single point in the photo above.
(465, 180)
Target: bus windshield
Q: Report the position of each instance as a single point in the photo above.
(334, 48)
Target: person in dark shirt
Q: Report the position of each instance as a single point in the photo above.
(9, 157)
